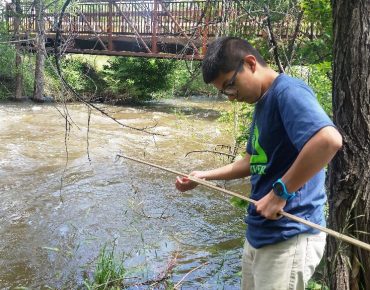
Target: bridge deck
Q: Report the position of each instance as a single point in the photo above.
(155, 28)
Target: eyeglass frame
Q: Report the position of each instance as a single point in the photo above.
(231, 82)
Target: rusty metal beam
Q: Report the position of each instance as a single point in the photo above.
(205, 36)
(136, 54)
(110, 25)
(155, 27)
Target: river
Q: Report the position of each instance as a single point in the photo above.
(56, 213)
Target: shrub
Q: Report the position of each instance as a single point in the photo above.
(82, 76)
(8, 70)
(140, 78)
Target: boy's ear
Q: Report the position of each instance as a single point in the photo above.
(251, 61)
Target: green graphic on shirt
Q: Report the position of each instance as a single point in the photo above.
(259, 158)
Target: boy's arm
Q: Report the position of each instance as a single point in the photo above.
(315, 154)
(237, 169)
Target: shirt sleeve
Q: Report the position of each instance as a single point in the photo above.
(301, 114)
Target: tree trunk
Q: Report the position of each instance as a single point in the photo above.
(349, 173)
(38, 92)
(18, 57)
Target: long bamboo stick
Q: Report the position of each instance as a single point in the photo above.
(330, 232)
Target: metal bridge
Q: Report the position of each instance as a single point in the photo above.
(150, 28)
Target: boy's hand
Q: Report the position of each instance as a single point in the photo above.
(185, 184)
(270, 205)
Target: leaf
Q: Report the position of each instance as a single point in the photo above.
(51, 249)
(238, 202)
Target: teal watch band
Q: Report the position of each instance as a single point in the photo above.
(280, 190)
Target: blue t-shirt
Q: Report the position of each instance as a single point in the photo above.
(284, 120)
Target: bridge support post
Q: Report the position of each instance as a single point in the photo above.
(205, 35)
(154, 27)
(110, 26)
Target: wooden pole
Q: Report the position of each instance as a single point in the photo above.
(208, 184)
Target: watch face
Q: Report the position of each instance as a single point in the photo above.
(279, 189)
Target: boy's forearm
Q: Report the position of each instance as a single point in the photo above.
(238, 169)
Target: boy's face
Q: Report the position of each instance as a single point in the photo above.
(240, 84)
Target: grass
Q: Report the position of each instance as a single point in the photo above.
(109, 272)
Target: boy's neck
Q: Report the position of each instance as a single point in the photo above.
(269, 76)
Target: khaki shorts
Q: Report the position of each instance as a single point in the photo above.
(287, 265)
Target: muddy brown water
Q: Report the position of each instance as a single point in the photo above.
(56, 214)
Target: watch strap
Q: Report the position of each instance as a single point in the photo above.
(284, 194)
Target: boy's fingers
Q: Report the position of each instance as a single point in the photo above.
(182, 180)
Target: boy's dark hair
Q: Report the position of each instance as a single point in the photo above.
(224, 54)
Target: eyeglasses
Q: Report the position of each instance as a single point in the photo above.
(230, 89)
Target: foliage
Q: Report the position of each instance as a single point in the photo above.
(79, 73)
(187, 80)
(109, 273)
(312, 285)
(320, 81)
(312, 45)
(238, 202)
(8, 72)
(140, 78)
(82, 76)
(318, 77)
(318, 14)
(239, 118)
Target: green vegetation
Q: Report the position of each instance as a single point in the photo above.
(139, 78)
(80, 74)
(109, 272)
(8, 72)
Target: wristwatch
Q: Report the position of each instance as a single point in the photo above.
(280, 190)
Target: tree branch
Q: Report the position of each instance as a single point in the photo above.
(273, 40)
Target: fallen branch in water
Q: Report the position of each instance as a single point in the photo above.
(210, 151)
(178, 284)
(163, 276)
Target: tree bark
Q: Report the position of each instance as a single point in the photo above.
(349, 173)
(38, 92)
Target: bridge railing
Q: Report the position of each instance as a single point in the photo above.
(87, 17)
(196, 20)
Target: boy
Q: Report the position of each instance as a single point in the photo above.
(291, 141)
